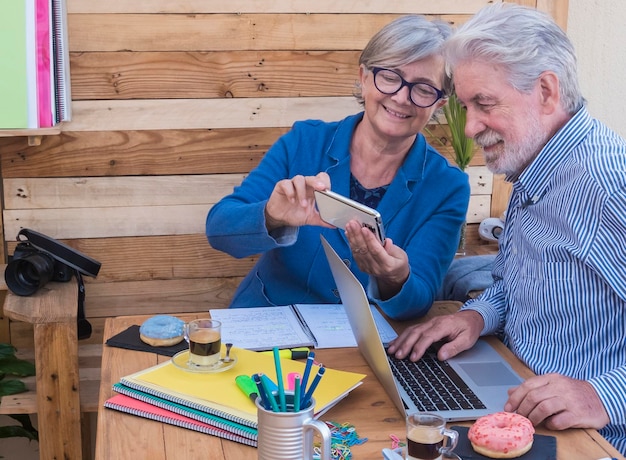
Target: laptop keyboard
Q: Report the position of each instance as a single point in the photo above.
(433, 385)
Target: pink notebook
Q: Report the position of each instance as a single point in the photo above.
(139, 408)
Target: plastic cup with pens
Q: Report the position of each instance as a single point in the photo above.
(286, 423)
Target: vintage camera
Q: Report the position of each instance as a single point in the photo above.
(39, 259)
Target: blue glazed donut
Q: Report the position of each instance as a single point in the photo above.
(162, 331)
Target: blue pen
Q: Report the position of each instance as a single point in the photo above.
(314, 383)
(270, 395)
(305, 375)
(265, 402)
(279, 379)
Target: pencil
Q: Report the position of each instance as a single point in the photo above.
(314, 383)
(296, 393)
(279, 379)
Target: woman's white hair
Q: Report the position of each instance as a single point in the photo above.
(403, 41)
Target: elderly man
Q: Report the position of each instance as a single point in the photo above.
(559, 295)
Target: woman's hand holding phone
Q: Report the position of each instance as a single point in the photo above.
(292, 202)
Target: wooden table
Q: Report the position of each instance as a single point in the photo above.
(368, 408)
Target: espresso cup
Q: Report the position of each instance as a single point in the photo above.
(205, 341)
(427, 437)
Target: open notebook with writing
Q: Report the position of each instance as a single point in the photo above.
(218, 394)
(298, 325)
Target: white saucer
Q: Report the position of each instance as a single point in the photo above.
(181, 360)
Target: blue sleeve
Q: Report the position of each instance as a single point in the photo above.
(236, 224)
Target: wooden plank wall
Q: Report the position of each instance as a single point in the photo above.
(173, 103)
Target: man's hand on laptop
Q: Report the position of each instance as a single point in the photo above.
(456, 333)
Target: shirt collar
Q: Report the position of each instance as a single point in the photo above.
(537, 176)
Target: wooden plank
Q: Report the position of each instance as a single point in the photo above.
(277, 6)
(134, 153)
(110, 222)
(163, 296)
(225, 32)
(124, 191)
(138, 220)
(56, 363)
(153, 114)
(157, 258)
(89, 361)
(558, 9)
(501, 194)
(189, 75)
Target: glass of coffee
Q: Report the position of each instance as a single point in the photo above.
(205, 341)
(427, 437)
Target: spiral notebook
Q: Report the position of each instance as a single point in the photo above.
(217, 393)
(291, 326)
(214, 427)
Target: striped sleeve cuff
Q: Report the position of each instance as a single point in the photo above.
(610, 388)
(490, 315)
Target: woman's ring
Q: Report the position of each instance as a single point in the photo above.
(360, 250)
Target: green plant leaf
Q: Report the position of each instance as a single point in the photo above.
(10, 365)
(17, 367)
(26, 423)
(11, 387)
(7, 350)
(16, 431)
(462, 145)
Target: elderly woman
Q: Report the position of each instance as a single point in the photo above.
(377, 157)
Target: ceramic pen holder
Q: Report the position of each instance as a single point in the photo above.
(289, 435)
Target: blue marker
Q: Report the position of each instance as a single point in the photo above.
(265, 402)
(305, 375)
(316, 380)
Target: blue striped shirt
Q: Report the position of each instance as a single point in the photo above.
(559, 293)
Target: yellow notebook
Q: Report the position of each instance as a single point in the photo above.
(218, 394)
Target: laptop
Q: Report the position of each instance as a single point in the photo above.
(482, 374)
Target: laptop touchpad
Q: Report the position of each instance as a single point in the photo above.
(490, 374)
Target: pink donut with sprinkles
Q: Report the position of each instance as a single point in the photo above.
(502, 435)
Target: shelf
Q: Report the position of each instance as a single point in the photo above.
(34, 135)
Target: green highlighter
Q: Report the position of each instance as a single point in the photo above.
(247, 386)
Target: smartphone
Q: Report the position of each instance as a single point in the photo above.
(338, 210)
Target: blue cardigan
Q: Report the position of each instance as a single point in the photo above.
(422, 211)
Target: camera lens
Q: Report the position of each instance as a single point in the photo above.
(24, 276)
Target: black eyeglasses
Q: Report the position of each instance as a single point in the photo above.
(390, 82)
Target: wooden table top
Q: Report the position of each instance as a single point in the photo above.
(121, 436)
